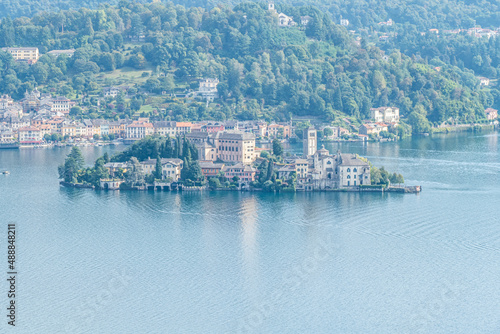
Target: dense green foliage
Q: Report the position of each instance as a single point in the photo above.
(154, 146)
(265, 71)
(73, 171)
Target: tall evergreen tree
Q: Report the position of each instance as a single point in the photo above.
(159, 168)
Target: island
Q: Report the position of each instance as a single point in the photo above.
(228, 160)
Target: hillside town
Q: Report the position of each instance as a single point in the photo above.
(42, 119)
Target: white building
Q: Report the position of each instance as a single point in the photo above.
(285, 20)
(304, 20)
(56, 53)
(139, 130)
(62, 104)
(208, 89)
(385, 114)
(171, 168)
(30, 135)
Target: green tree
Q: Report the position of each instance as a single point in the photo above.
(277, 148)
(159, 168)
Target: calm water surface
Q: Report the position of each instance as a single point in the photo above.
(123, 262)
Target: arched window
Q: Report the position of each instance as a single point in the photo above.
(348, 176)
(355, 170)
(329, 162)
(348, 170)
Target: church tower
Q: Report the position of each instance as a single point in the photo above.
(271, 7)
(310, 141)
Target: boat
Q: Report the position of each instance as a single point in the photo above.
(9, 145)
(5, 172)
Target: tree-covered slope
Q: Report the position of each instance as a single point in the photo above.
(265, 71)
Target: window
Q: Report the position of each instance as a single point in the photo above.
(354, 182)
(348, 176)
(348, 170)
(355, 170)
(348, 183)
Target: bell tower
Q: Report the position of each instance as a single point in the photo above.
(271, 7)
(310, 143)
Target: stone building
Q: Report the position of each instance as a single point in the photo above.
(228, 146)
(310, 141)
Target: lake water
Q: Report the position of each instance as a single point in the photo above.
(229, 262)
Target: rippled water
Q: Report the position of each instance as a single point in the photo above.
(228, 262)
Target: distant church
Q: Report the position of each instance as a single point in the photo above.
(283, 19)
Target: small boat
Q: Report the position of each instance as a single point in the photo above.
(5, 172)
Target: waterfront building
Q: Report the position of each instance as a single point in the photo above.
(352, 170)
(245, 173)
(385, 114)
(73, 130)
(491, 114)
(285, 172)
(171, 168)
(29, 135)
(118, 128)
(6, 135)
(210, 169)
(101, 127)
(171, 128)
(110, 184)
(114, 167)
(372, 128)
(139, 130)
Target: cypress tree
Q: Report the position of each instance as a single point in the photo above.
(158, 169)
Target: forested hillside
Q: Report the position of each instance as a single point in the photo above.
(265, 71)
(441, 14)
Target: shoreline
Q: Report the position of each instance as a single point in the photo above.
(181, 188)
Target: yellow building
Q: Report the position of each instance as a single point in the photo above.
(29, 54)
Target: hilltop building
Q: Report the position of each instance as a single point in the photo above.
(208, 89)
(28, 54)
(56, 53)
(304, 20)
(283, 19)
